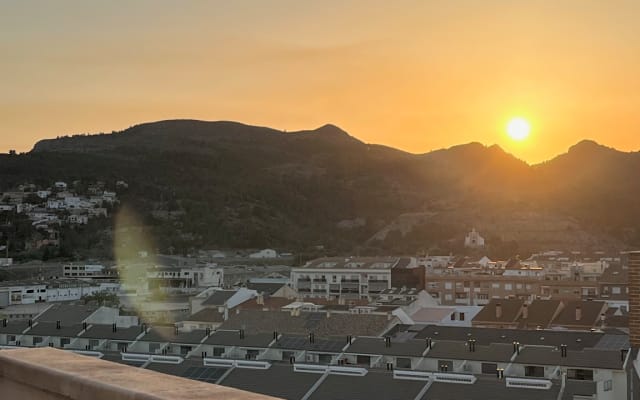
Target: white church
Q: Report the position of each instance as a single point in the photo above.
(473, 240)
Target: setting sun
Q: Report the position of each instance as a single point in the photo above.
(518, 129)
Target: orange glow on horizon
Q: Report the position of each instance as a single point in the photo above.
(414, 75)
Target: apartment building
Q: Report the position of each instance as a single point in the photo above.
(355, 277)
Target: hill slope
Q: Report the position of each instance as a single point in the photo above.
(224, 184)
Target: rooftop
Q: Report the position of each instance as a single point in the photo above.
(337, 324)
(358, 263)
(219, 298)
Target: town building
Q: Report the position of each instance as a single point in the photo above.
(354, 277)
(473, 240)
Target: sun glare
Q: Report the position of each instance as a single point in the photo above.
(518, 129)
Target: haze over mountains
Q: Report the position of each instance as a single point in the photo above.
(202, 184)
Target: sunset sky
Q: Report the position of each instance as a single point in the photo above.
(417, 75)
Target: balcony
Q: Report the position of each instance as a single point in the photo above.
(51, 374)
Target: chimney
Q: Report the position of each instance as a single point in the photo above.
(328, 313)
(578, 313)
(84, 326)
(4, 322)
(57, 324)
(525, 311)
(349, 339)
(563, 350)
(312, 338)
(260, 299)
(498, 310)
(114, 328)
(241, 333)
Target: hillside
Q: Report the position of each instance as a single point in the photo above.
(198, 184)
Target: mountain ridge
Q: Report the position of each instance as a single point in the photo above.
(227, 184)
(327, 128)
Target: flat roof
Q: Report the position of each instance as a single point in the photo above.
(278, 381)
(232, 338)
(374, 385)
(377, 346)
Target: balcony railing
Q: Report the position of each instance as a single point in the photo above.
(52, 374)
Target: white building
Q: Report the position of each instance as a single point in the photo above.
(6, 262)
(355, 277)
(266, 253)
(473, 239)
(177, 278)
(25, 292)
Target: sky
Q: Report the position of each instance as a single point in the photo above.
(417, 75)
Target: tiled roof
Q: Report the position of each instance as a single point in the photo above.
(487, 388)
(168, 334)
(206, 315)
(589, 314)
(510, 311)
(373, 386)
(232, 338)
(96, 331)
(14, 327)
(219, 298)
(266, 288)
(67, 313)
(614, 274)
(587, 358)
(336, 325)
(573, 339)
(450, 350)
(377, 346)
(540, 314)
(50, 329)
(279, 381)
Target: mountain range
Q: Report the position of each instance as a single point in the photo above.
(198, 184)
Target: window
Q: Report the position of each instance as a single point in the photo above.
(37, 339)
(363, 360)
(448, 285)
(448, 297)
(489, 368)
(461, 316)
(495, 285)
(580, 374)
(65, 342)
(403, 363)
(252, 354)
(534, 371)
(219, 351)
(607, 385)
(519, 286)
(615, 290)
(508, 286)
(93, 343)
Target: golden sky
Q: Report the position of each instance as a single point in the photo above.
(418, 75)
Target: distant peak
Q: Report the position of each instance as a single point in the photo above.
(331, 129)
(588, 145)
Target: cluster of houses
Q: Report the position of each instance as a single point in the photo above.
(338, 327)
(48, 208)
